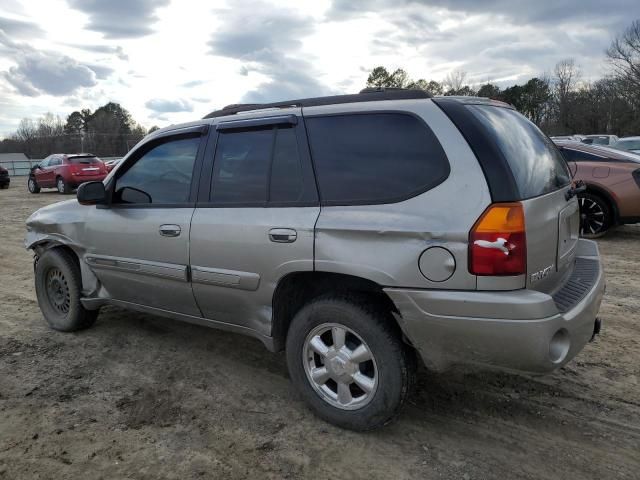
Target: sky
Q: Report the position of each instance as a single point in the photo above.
(169, 61)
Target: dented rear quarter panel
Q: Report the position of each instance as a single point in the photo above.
(383, 243)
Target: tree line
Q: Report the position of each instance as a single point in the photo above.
(560, 103)
(108, 131)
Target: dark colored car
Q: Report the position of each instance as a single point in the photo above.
(66, 172)
(612, 178)
(4, 178)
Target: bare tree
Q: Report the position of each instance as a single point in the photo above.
(454, 81)
(566, 76)
(624, 55)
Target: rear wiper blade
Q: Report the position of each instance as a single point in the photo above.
(577, 188)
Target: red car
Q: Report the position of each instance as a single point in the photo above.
(66, 172)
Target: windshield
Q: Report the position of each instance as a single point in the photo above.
(537, 165)
(599, 140)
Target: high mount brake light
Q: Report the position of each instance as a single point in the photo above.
(497, 241)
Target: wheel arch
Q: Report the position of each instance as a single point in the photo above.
(296, 289)
(608, 197)
(40, 246)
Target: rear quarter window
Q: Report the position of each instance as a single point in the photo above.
(374, 158)
(535, 162)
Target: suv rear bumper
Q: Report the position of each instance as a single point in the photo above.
(523, 330)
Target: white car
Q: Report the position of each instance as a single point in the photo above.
(631, 144)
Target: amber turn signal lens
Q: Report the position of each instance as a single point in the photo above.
(497, 241)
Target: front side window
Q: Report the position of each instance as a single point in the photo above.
(162, 175)
(257, 166)
(374, 158)
(55, 161)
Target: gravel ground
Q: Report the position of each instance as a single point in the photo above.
(143, 397)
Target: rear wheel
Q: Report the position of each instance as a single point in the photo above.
(62, 185)
(32, 185)
(347, 359)
(59, 289)
(595, 215)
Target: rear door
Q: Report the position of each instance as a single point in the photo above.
(254, 222)
(138, 245)
(541, 179)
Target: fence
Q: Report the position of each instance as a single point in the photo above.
(21, 168)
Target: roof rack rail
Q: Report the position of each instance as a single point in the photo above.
(365, 95)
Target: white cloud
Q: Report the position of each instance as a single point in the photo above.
(172, 61)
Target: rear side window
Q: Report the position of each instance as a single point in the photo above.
(537, 165)
(258, 166)
(374, 158)
(578, 156)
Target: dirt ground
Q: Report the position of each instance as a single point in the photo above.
(143, 397)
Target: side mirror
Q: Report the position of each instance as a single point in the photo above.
(91, 193)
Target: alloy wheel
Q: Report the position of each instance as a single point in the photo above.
(340, 366)
(592, 217)
(60, 185)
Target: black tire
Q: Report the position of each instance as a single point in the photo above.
(32, 185)
(62, 186)
(59, 289)
(596, 218)
(394, 361)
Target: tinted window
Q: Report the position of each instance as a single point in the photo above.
(578, 156)
(81, 160)
(241, 166)
(374, 158)
(286, 170)
(161, 175)
(536, 164)
(255, 166)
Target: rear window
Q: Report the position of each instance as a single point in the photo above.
(374, 158)
(79, 160)
(537, 165)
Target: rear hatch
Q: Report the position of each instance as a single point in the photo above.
(541, 179)
(85, 165)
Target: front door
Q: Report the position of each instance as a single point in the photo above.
(256, 222)
(44, 174)
(138, 246)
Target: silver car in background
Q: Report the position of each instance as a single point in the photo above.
(357, 232)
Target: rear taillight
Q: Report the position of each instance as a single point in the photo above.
(497, 241)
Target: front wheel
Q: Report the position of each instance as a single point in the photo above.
(32, 185)
(347, 359)
(595, 216)
(59, 289)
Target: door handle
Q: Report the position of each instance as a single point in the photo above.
(283, 235)
(170, 230)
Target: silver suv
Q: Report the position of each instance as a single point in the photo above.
(353, 231)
